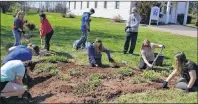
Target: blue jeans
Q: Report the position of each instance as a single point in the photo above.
(83, 39)
(17, 37)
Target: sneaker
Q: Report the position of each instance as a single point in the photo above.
(123, 53)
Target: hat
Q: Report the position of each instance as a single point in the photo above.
(92, 10)
(134, 9)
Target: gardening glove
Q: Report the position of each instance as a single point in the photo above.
(111, 60)
(126, 28)
(187, 90)
(165, 84)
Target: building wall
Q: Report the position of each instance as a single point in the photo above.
(100, 11)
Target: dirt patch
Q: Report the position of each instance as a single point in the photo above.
(47, 88)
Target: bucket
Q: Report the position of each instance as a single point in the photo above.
(159, 60)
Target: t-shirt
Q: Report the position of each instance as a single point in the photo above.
(19, 53)
(11, 70)
(150, 56)
(190, 65)
(85, 20)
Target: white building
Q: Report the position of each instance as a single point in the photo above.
(109, 9)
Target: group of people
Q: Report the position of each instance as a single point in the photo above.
(18, 61)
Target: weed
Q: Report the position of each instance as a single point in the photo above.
(138, 79)
(63, 77)
(94, 80)
(150, 75)
(53, 71)
(75, 72)
(54, 59)
(125, 72)
(44, 67)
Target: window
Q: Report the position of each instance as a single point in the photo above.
(74, 4)
(69, 4)
(96, 4)
(117, 5)
(165, 9)
(81, 5)
(105, 4)
(87, 4)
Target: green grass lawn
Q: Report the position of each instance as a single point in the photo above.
(67, 30)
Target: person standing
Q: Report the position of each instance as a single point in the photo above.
(18, 27)
(131, 30)
(45, 30)
(85, 27)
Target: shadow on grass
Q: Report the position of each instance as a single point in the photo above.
(63, 54)
(16, 100)
(38, 80)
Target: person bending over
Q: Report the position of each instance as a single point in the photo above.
(22, 53)
(188, 70)
(94, 53)
(11, 83)
(147, 54)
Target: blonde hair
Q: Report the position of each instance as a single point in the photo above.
(98, 44)
(149, 48)
(19, 13)
(181, 60)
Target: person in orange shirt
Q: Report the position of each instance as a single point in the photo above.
(45, 30)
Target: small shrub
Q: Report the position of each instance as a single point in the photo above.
(125, 72)
(139, 79)
(63, 77)
(70, 15)
(94, 80)
(82, 88)
(180, 18)
(117, 18)
(75, 72)
(44, 67)
(53, 71)
(55, 59)
(150, 75)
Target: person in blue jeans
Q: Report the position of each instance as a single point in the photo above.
(18, 28)
(22, 53)
(85, 27)
(94, 53)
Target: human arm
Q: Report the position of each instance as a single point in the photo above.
(170, 77)
(43, 30)
(158, 45)
(144, 58)
(19, 80)
(193, 78)
(87, 22)
(108, 54)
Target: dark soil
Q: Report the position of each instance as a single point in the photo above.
(46, 88)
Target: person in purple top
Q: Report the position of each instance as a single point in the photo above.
(18, 27)
(94, 53)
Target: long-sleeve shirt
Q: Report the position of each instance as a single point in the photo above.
(18, 24)
(133, 22)
(92, 53)
(45, 27)
(19, 53)
(85, 20)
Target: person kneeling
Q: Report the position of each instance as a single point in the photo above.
(11, 83)
(188, 71)
(94, 53)
(147, 54)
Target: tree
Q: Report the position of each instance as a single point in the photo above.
(4, 5)
(144, 9)
(47, 5)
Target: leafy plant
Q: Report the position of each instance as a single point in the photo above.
(125, 72)
(75, 72)
(150, 75)
(55, 59)
(53, 71)
(94, 80)
(15, 8)
(44, 67)
(139, 79)
(63, 77)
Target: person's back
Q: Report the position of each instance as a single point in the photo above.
(85, 19)
(11, 69)
(19, 53)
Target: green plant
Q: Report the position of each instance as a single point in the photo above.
(123, 72)
(75, 72)
(139, 79)
(82, 88)
(150, 75)
(94, 80)
(44, 67)
(53, 71)
(15, 8)
(63, 76)
(55, 59)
